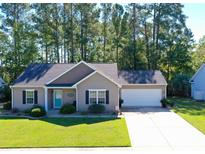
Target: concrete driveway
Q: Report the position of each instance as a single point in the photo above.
(161, 129)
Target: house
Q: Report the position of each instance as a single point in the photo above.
(2, 83)
(197, 84)
(51, 85)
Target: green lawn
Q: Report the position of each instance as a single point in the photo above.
(190, 110)
(63, 132)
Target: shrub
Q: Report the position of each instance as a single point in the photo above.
(164, 103)
(74, 104)
(96, 108)
(67, 109)
(7, 106)
(5, 93)
(15, 110)
(37, 111)
(170, 103)
(121, 101)
(84, 113)
(27, 111)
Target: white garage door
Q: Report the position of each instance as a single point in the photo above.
(141, 97)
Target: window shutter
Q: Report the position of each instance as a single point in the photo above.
(24, 97)
(87, 97)
(107, 96)
(35, 97)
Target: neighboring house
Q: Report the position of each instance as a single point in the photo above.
(2, 83)
(198, 84)
(52, 85)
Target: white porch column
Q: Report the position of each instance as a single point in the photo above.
(76, 93)
(46, 98)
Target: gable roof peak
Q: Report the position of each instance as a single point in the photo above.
(197, 72)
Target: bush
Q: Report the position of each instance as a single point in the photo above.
(15, 110)
(67, 109)
(7, 106)
(5, 94)
(121, 101)
(37, 111)
(27, 111)
(164, 103)
(170, 103)
(96, 108)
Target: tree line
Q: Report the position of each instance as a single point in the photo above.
(135, 36)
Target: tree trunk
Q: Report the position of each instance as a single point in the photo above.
(134, 34)
(81, 36)
(46, 53)
(64, 36)
(104, 40)
(153, 38)
(147, 46)
(157, 35)
(56, 37)
(71, 26)
(117, 53)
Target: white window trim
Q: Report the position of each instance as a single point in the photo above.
(27, 90)
(97, 90)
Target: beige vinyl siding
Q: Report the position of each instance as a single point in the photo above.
(50, 98)
(74, 75)
(18, 98)
(97, 81)
(69, 96)
(162, 87)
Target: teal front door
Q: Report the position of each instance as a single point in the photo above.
(58, 95)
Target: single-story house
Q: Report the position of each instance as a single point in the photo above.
(197, 84)
(2, 83)
(52, 85)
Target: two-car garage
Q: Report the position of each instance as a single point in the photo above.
(142, 88)
(141, 97)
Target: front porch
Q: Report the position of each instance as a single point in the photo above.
(56, 97)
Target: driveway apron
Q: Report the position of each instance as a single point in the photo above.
(159, 128)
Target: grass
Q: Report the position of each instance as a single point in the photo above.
(63, 132)
(191, 110)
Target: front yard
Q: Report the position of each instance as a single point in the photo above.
(63, 132)
(192, 111)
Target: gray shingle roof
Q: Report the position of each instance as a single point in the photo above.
(141, 77)
(40, 74)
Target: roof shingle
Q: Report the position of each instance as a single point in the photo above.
(141, 77)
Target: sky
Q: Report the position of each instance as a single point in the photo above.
(196, 19)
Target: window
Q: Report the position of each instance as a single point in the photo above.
(29, 96)
(101, 97)
(97, 96)
(93, 97)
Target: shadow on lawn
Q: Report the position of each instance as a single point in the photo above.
(188, 106)
(66, 122)
(76, 121)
